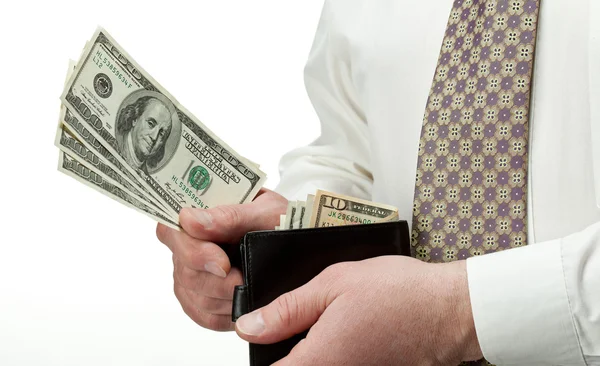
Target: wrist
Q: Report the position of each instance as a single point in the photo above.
(461, 325)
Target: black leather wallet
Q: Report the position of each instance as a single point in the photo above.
(276, 262)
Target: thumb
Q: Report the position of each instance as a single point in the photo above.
(228, 223)
(290, 314)
(223, 224)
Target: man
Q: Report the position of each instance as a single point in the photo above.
(143, 128)
(369, 76)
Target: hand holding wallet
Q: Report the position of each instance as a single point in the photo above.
(276, 262)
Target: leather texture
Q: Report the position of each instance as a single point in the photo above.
(276, 262)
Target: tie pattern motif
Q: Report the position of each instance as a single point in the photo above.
(471, 180)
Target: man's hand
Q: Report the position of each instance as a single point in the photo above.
(382, 311)
(203, 276)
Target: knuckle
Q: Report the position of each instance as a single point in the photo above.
(190, 309)
(226, 290)
(333, 278)
(213, 321)
(335, 270)
(196, 259)
(286, 305)
(217, 322)
(192, 254)
(211, 305)
(201, 284)
(187, 278)
(202, 319)
(205, 304)
(185, 305)
(220, 288)
(228, 216)
(197, 316)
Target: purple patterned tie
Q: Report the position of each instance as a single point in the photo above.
(471, 183)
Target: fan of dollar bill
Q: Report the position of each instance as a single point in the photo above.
(121, 133)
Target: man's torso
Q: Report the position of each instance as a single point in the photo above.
(391, 48)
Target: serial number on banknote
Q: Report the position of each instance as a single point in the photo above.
(185, 191)
(349, 218)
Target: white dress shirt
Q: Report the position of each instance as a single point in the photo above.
(368, 76)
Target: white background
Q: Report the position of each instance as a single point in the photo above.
(83, 280)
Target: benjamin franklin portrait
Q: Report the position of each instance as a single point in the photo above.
(147, 131)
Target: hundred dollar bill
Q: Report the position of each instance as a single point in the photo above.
(69, 144)
(332, 209)
(72, 167)
(176, 158)
(68, 121)
(78, 130)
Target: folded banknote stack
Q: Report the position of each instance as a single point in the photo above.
(121, 133)
(325, 209)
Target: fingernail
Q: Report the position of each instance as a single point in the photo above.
(251, 324)
(203, 218)
(215, 269)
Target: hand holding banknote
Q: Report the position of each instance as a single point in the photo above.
(121, 133)
(203, 275)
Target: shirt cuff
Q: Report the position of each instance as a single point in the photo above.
(521, 307)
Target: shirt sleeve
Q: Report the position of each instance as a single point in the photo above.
(338, 160)
(539, 304)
